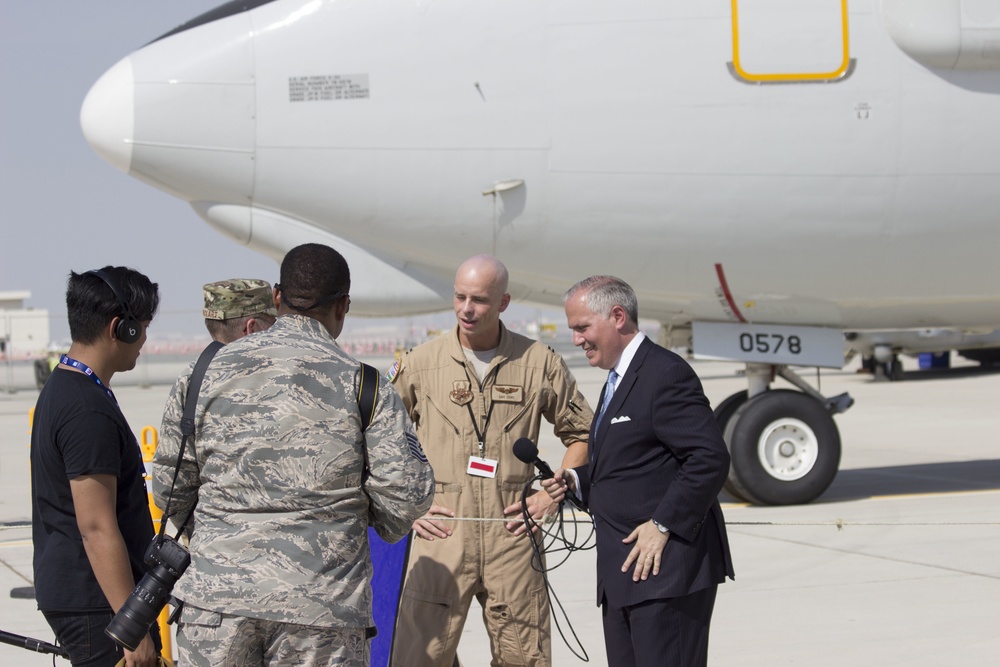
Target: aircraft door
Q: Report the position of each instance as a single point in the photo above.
(790, 41)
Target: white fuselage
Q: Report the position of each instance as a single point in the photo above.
(616, 137)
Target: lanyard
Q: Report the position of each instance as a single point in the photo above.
(481, 435)
(66, 360)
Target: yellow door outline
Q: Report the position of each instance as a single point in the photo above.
(842, 72)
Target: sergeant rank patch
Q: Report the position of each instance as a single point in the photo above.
(415, 449)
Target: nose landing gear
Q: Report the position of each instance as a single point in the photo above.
(784, 444)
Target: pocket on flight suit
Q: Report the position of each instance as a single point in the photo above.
(528, 403)
(430, 599)
(518, 640)
(423, 627)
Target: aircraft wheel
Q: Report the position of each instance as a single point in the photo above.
(785, 448)
(723, 413)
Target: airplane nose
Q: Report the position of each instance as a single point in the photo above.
(107, 116)
(180, 113)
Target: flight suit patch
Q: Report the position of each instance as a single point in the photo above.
(507, 393)
(390, 375)
(462, 393)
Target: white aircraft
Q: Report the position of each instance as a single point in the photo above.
(782, 181)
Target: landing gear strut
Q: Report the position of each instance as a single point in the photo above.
(886, 365)
(891, 371)
(784, 445)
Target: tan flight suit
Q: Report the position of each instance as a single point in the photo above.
(525, 381)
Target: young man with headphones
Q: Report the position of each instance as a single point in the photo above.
(90, 515)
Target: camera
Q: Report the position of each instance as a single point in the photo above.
(167, 560)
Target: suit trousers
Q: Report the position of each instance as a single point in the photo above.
(670, 632)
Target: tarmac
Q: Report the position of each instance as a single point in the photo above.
(898, 563)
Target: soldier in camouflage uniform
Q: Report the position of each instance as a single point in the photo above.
(233, 308)
(237, 307)
(284, 482)
(472, 393)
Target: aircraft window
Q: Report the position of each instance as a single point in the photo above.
(220, 12)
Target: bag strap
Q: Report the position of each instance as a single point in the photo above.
(187, 421)
(194, 387)
(367, 395)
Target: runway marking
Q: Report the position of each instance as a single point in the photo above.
(936, 494)
(929, 494)
(840, 524)
(878, 557)
(16, 543)
(16, 573)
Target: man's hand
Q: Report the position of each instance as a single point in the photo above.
(144, 654)
(540, 505)
(427, 528)
(559, 485)
(647, 554)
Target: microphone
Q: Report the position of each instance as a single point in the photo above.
(526, 451)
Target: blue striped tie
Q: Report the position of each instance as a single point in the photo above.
(609, 390)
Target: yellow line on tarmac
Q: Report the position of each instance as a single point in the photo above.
(16, 543)
(936, 494)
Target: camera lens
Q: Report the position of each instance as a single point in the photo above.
(131, 624)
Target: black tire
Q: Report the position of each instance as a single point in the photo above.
(785, 448)
(723, 413)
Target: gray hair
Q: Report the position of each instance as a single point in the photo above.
(604, 293)
(232, 329)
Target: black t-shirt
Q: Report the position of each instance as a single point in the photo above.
(79, 430)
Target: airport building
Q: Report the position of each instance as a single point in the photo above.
(24, 332)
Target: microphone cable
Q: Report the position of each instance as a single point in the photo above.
(543, 542)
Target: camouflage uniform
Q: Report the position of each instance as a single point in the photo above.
(525, 382)
(224, 300)
(277, 478)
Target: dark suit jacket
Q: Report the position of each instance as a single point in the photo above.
(666, 461)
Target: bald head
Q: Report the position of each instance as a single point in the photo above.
(486, 269)
(480, 297)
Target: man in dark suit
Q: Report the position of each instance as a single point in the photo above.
(657, 462)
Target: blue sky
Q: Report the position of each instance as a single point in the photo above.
(63, 206)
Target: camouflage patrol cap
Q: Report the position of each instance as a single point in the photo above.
(238, 297)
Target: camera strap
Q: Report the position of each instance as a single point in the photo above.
(187, 422)
(367, 395)
(367, 402)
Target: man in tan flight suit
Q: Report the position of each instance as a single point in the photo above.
(472, 393)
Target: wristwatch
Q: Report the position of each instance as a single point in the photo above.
(662, 529)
